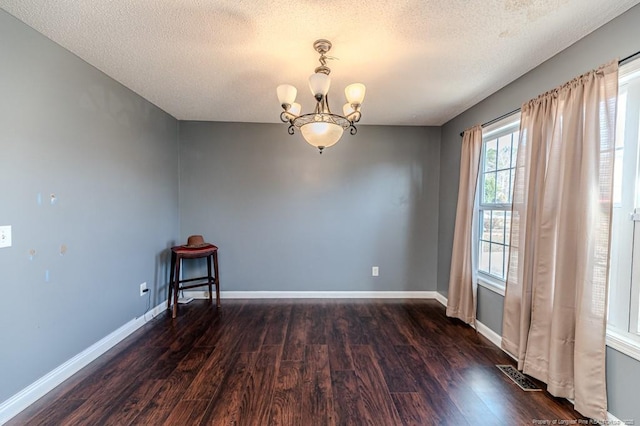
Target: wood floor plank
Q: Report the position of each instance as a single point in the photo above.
(316, 319)
(187, 413)
(123, 369)
(387, 327)
(163, 366)
(501, 395)
(277, 325)
(426, 322)
(414, 410)
(317, 396)
(400, 315)
(54, 414)
(296, 335)
(337, 338)
(177, 326)
(259, 389)
(153, 417)
(174, 387)
(255, 329)
(225, 321)
(206, 383)
(99, 410)
(372, 387)
(117, 386)
(302, 362)
(363, 308)
(228, 406)
(349, 407)
(130, 407)
(286, 405)
(442, 393)
(357, 334)
(396, 376)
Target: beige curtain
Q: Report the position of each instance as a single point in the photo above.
(556, 296)
(461, 297)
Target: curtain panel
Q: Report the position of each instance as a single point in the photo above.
(462, 284)
(554, 319)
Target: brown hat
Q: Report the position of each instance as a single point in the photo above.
(195, 241)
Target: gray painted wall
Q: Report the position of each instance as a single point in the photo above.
(489, 309)
(111, 158)
(288, 219)
(623, 376)
(619, 38)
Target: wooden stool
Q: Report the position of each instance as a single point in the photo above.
(182, 252)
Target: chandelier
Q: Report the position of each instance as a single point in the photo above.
(321, 128)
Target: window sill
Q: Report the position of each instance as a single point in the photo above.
(622, 343)
(491, 284)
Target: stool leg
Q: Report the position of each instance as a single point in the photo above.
(209, 277)
(177, 287)
(171, 273)
(217, 277)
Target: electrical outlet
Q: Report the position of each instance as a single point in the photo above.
(5, 236)
(375, 271)
(143, 289)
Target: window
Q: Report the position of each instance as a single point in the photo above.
(493, 202)
(624, 288)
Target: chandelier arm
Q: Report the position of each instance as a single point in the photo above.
(325, 106)
(283, 117)
(291, 130)
(352, 129)
(355, 115)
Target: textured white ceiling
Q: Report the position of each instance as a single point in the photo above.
(423, 61)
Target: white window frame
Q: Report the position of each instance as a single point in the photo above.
(623, 330)
(491, 132)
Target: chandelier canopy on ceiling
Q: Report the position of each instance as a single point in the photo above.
(321, 128)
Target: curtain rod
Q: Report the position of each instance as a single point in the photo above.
(620, 62)
(628, 58)
(495, 120)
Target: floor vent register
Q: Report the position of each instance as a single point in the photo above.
(525, 383)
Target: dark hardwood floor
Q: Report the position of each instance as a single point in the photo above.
(298, 362)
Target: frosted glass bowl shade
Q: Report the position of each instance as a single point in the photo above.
(321, 134)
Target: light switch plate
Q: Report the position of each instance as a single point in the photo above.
(5, 236)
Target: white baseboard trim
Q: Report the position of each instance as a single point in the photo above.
(315, 294)
(493, 337)
(613, 420)
(440, 298)
(21, 400)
